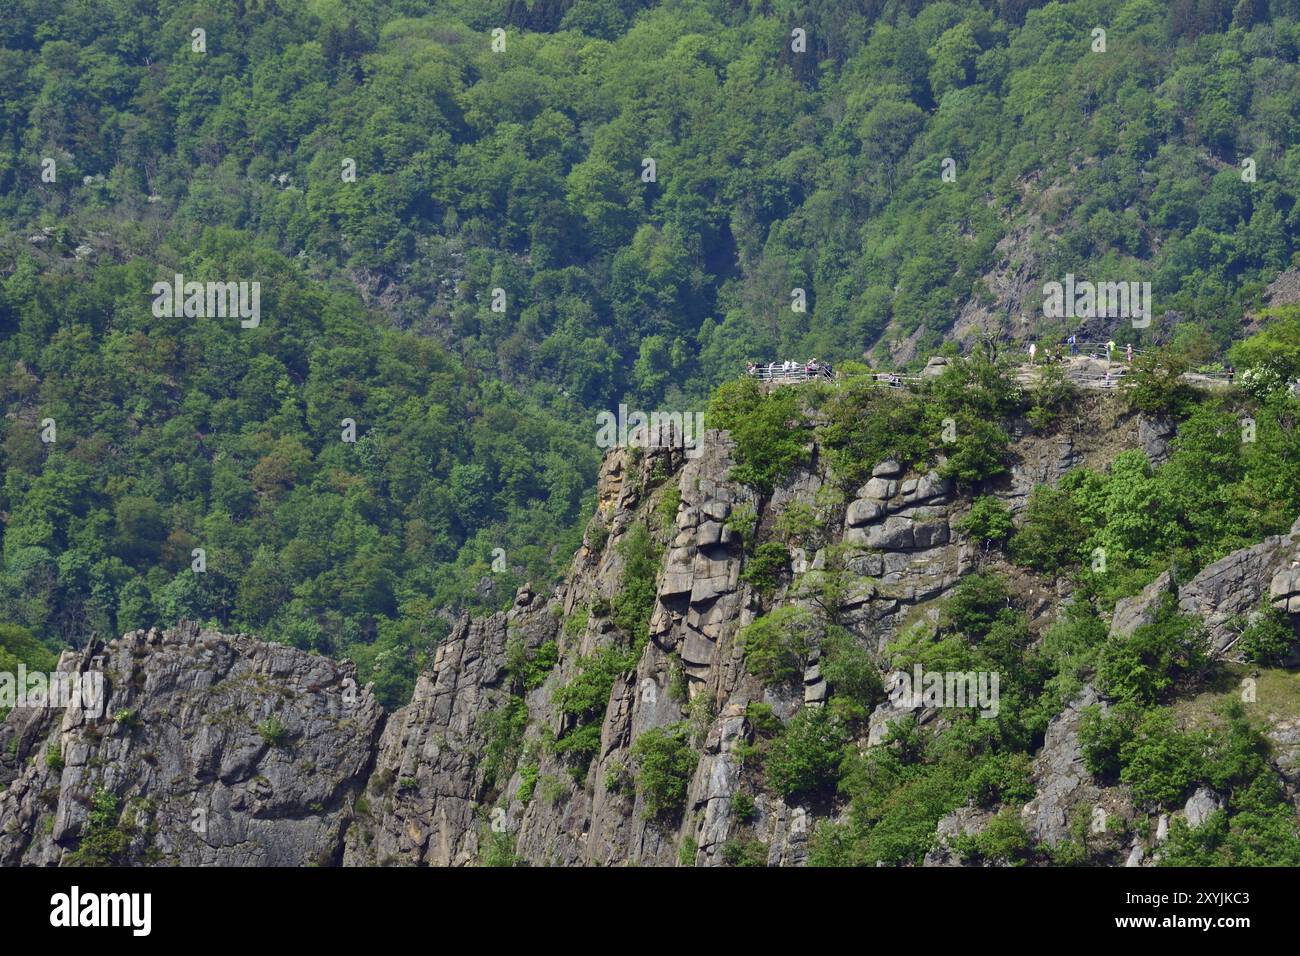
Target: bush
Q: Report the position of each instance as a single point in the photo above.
(528, 668)
(686, 853)
(744, 853)
(742, 807)
(976, 604)
(867, 425)
(1143, 666)
(664, 762)
(988, 521)
(668, 505)
(503, 733)
(1157, 384)
(635, 599)
(1162, 763)
(1001, 778)
(272, 731)
(766, 428)
(1052, 536)
(852, 674)
(777, 644)
(1268, 639)
(585, 698)
(1102, 736)
(805, 759)
(765, 567)
(104, 841)
(1003, 840)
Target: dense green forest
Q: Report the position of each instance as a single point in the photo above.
(384, 167)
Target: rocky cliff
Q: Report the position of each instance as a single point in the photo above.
(221, 749)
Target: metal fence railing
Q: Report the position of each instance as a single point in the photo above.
(1114, 376)
(789, 372)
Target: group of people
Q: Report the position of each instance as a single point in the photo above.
(1058, 355)
(810, 369)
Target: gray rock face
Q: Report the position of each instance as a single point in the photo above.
(1220, 593)
(1233, 586)
(1134, 612)
(430, 777)
(1060, 777)
(965, 821)
(1200, 805)
(215, 749)
(1154, 436)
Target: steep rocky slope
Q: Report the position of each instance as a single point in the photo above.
(290, 763)
(209, 749)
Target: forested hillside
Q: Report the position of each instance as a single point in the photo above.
(463, 250)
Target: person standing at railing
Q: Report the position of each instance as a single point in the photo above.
(1074, 344)
(1128, 353)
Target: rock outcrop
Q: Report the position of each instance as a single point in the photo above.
(206, 749)
(220, 749)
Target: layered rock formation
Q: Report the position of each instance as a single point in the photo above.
(208, 749)
(221, 749)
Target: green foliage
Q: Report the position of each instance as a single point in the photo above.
(528, 668)
(635, 599)
(499, 849)
(1052, 534)
(743, 520)
(1001, 778)
(668, 505)
(1162, 763)
(988, 521)
(18, 646)
(1157, 386)
(686, 853)
(867, 425)
(1003, 841)
(744, 853)
(958, 414)
(478, 171)
(742, 807)
(664, 763)
(105, 839)
(853, 677)
(804, 760)
(764, 567)
(582, 701)
(1142, 667)
(1269, 639)
(1273, 353)
(764, 722)
(576, 622)
(1101, 736)
(503, 733)
(527, 783)
(767, 429)
(777, 644)
(273, 732)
